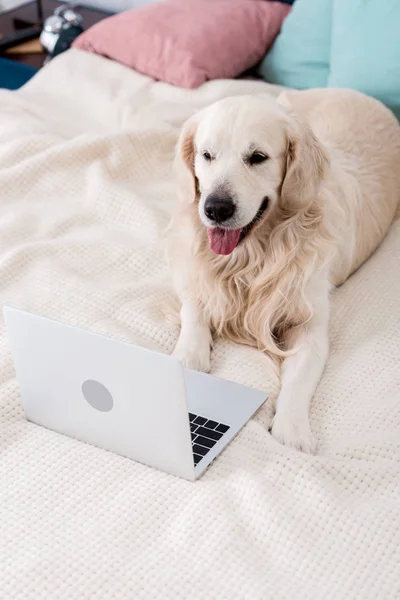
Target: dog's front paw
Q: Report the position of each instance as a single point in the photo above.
(294, 433)
(194, 356)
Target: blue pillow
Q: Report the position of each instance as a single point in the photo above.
(300, 55)
(365, 52)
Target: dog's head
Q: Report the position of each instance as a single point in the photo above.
(240, 158)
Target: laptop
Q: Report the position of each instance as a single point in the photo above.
(135, 402)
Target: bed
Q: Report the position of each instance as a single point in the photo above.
(86, 192)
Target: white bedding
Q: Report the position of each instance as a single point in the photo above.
(86, 191)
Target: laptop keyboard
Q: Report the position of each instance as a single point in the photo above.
(205, 434)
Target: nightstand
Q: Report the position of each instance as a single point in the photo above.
(31, 53)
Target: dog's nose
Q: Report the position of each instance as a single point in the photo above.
(218, 209)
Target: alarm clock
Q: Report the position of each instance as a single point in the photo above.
(60, 30)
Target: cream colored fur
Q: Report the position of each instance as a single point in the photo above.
(333, 183)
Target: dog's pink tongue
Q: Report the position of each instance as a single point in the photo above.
(223, 241)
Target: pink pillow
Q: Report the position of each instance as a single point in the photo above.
(187, 42)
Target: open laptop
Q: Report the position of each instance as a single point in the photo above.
(138, 403)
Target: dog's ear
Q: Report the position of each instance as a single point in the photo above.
(306, 161)
(184, 161)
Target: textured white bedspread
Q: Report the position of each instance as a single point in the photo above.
(86, 191)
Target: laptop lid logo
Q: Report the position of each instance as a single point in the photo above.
(97, 395)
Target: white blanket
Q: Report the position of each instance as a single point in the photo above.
(86, 191)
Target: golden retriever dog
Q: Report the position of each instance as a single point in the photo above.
(280, 200)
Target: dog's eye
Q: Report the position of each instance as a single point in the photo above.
(257, 158)
(207, 156)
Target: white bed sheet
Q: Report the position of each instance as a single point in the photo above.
(86, 191)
